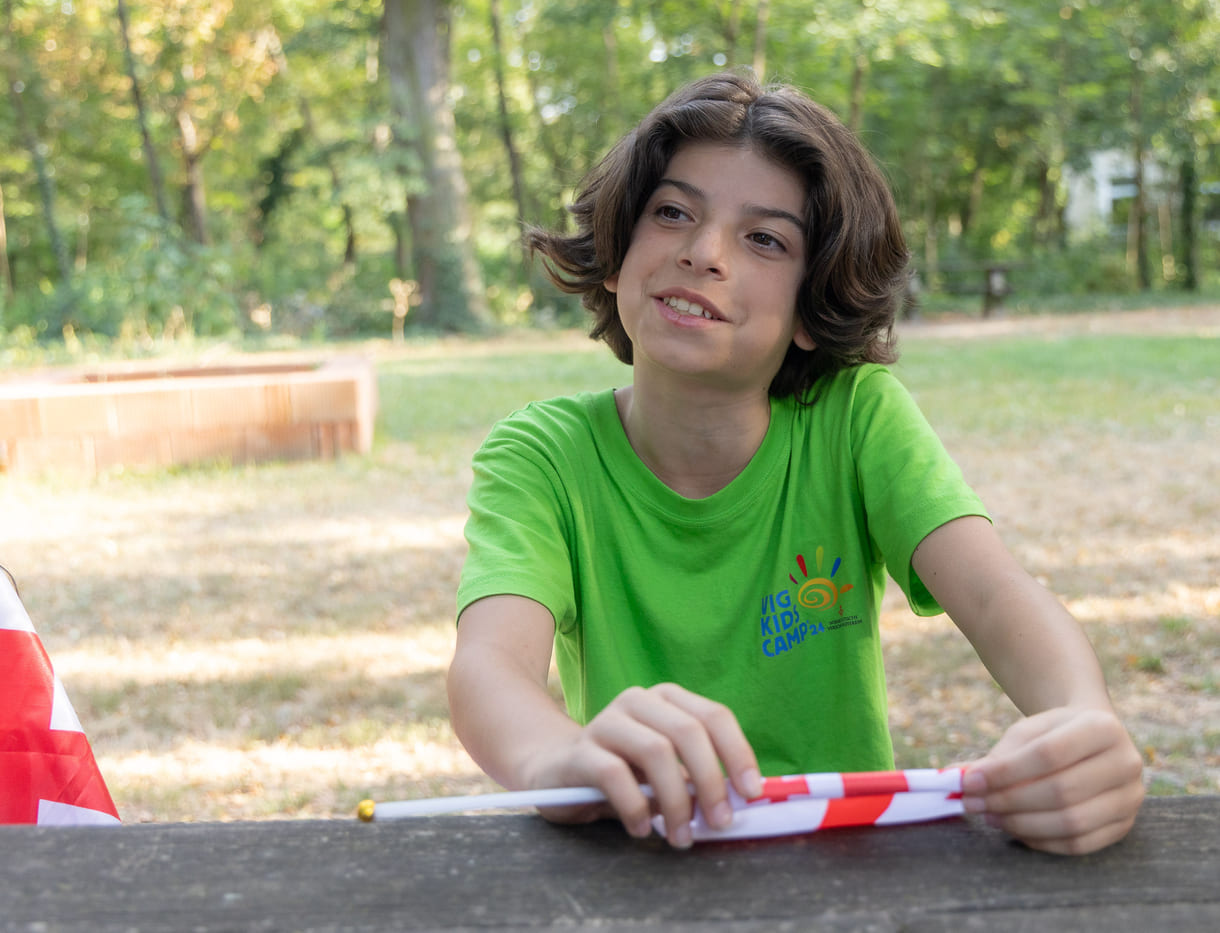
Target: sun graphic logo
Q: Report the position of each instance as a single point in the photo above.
(819, 592)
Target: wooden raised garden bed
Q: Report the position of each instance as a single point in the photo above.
(250, 411)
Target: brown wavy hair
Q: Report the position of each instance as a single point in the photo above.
(856, 256)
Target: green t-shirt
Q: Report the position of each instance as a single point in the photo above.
(764, 596)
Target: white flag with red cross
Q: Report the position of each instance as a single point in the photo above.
(47, 771)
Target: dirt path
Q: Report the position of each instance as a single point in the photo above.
(1202, 321)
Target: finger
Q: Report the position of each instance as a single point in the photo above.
(1044, 745)
(1017, 739)
(1068, 781)
(731, 750)
(710, 742)
(589, 763)
(1080, 845)
(1075, 830)
(1111, 770)
(672, 749)
(639, 728)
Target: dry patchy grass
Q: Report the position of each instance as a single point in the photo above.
(271, 642)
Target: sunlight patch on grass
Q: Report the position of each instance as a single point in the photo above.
(1120, 610)
(111, 664)
(212, 781)
(342, 535)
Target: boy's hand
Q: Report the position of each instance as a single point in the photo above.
(664, 736)
(1067, 781)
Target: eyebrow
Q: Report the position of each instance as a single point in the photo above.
(754, 210)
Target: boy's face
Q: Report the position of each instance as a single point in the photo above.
(708, 286)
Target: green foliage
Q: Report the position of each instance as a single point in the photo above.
(277, 118)
(1091, 266)
(155, 285)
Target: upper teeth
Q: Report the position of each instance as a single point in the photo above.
(682, 306)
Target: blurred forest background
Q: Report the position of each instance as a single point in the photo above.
(334, 168)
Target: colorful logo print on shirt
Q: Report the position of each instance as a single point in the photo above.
(786, 620)
(820, 592)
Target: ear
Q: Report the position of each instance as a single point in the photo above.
(802, 339)
(611, 284)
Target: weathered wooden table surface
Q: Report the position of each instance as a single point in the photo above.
(478, 872)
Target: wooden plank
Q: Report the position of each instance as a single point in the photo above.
(459, 873)
(19, 417)
(82, 412)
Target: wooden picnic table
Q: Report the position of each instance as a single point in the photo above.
(517, 871)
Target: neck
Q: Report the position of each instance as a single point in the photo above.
(695, 442)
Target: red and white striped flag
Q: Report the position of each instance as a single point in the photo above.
(47, 771)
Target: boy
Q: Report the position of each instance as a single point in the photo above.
(706, 548)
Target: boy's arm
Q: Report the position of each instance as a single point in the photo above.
(1067, 778)
(665, 735)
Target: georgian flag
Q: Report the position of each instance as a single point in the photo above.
(47, 771)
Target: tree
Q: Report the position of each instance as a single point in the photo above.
(208, 58)
(415, 49)
(310, 129)
(151, 159)
(506, 127)
(1195, 99)
(6, 272)
(20, 76)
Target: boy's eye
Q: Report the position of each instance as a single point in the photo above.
(766, 240)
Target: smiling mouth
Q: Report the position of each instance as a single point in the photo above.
(689, 308)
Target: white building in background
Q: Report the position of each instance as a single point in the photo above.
(1110, 179)
(1093, 195)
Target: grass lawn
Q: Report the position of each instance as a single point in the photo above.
(270, 642)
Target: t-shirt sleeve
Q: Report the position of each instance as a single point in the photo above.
(517, 530)
(910, 484)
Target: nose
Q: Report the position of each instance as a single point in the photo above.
(704, 250)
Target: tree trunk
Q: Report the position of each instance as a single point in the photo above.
(859, 80)
(732, 28)
(6, 271)
(82, 238)
(506, 129)
(614, 102)
(1188, 241)
(415, 49)
(150, 153)
(336, 182)
(1164, 227)
(349, 238)
(1137, 237)
(760, 39)
(546, 142)
(1047, 222)
(931, 241)
(973, 202)
(65, 300)
(194, 199)
(402, 247)
(46, 188)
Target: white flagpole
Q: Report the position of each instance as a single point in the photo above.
(431, 806)
(827, 785)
